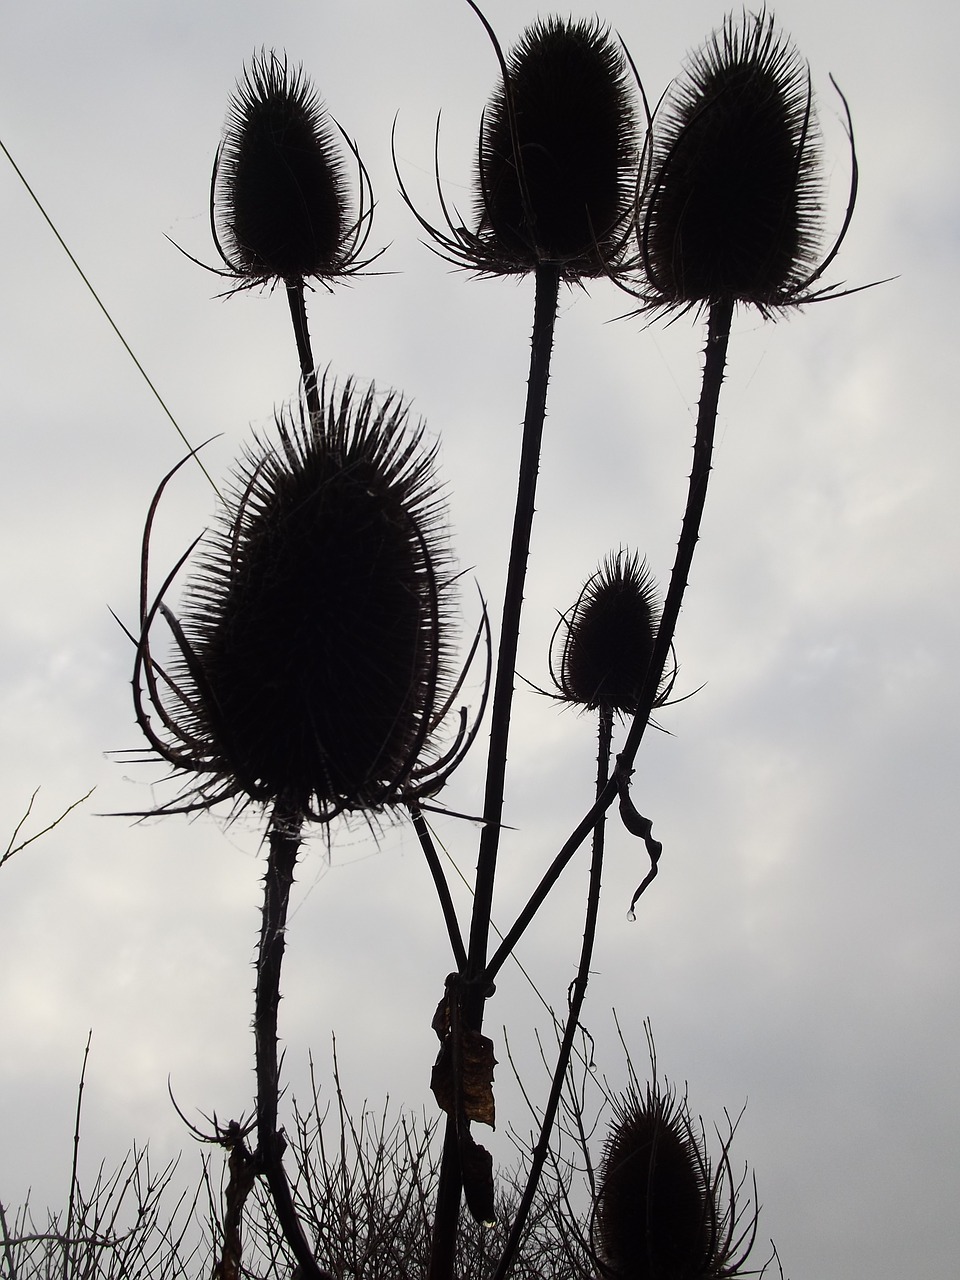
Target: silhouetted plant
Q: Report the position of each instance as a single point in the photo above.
(663, 1212)
(556, 166)
(313, 669)
(733, 209)
(606, 640)
(280, 206)
(130, 1221)
(279, 196)
(314, 653)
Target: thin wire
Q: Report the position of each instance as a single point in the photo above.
(97, 299)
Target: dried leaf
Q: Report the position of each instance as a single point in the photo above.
(476, 1083)
(476, 1168)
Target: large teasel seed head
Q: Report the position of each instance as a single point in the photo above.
(662, 1211)
(280, 203)
(557, 161)
(603, 645)
(314, 647)
(733, 200)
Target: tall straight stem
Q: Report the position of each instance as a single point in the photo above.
(714, 364)
(284, 837)
(449, 1187)
(541, 347)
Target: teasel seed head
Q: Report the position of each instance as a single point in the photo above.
(313, 657)
(602, 647)
(556, 177)
(557, 161)
(280, 203)
(662, 1211)
(733, 203)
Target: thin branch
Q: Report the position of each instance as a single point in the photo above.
(14, 848)
(74, 1185)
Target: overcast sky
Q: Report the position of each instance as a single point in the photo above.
(800, 949)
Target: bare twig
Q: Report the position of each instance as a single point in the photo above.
(14, 846)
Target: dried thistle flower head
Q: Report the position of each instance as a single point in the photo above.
(314, 650)
(662, 1211)
(558, 151)
(733, 207)
(557, 163)
(606, 640)
(280, 203)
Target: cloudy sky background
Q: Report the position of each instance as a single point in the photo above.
(800, 949)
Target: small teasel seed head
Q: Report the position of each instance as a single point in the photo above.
(314, 658)
(733, 200)
(603, 645)
(557, 160)
(281, 209)
(662, 1211)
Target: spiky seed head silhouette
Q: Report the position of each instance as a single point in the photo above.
(556, 170)
(662, 1211)
(732, 210)
(312, 657)
(280, 201)
(602, 646)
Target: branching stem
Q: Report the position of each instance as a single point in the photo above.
(715, 355)
(440, 883)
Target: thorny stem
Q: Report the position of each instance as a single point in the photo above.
(714, 364)
(308, 371)
(578, 992)
(286, 825)
(545, 313)
(715, 354)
